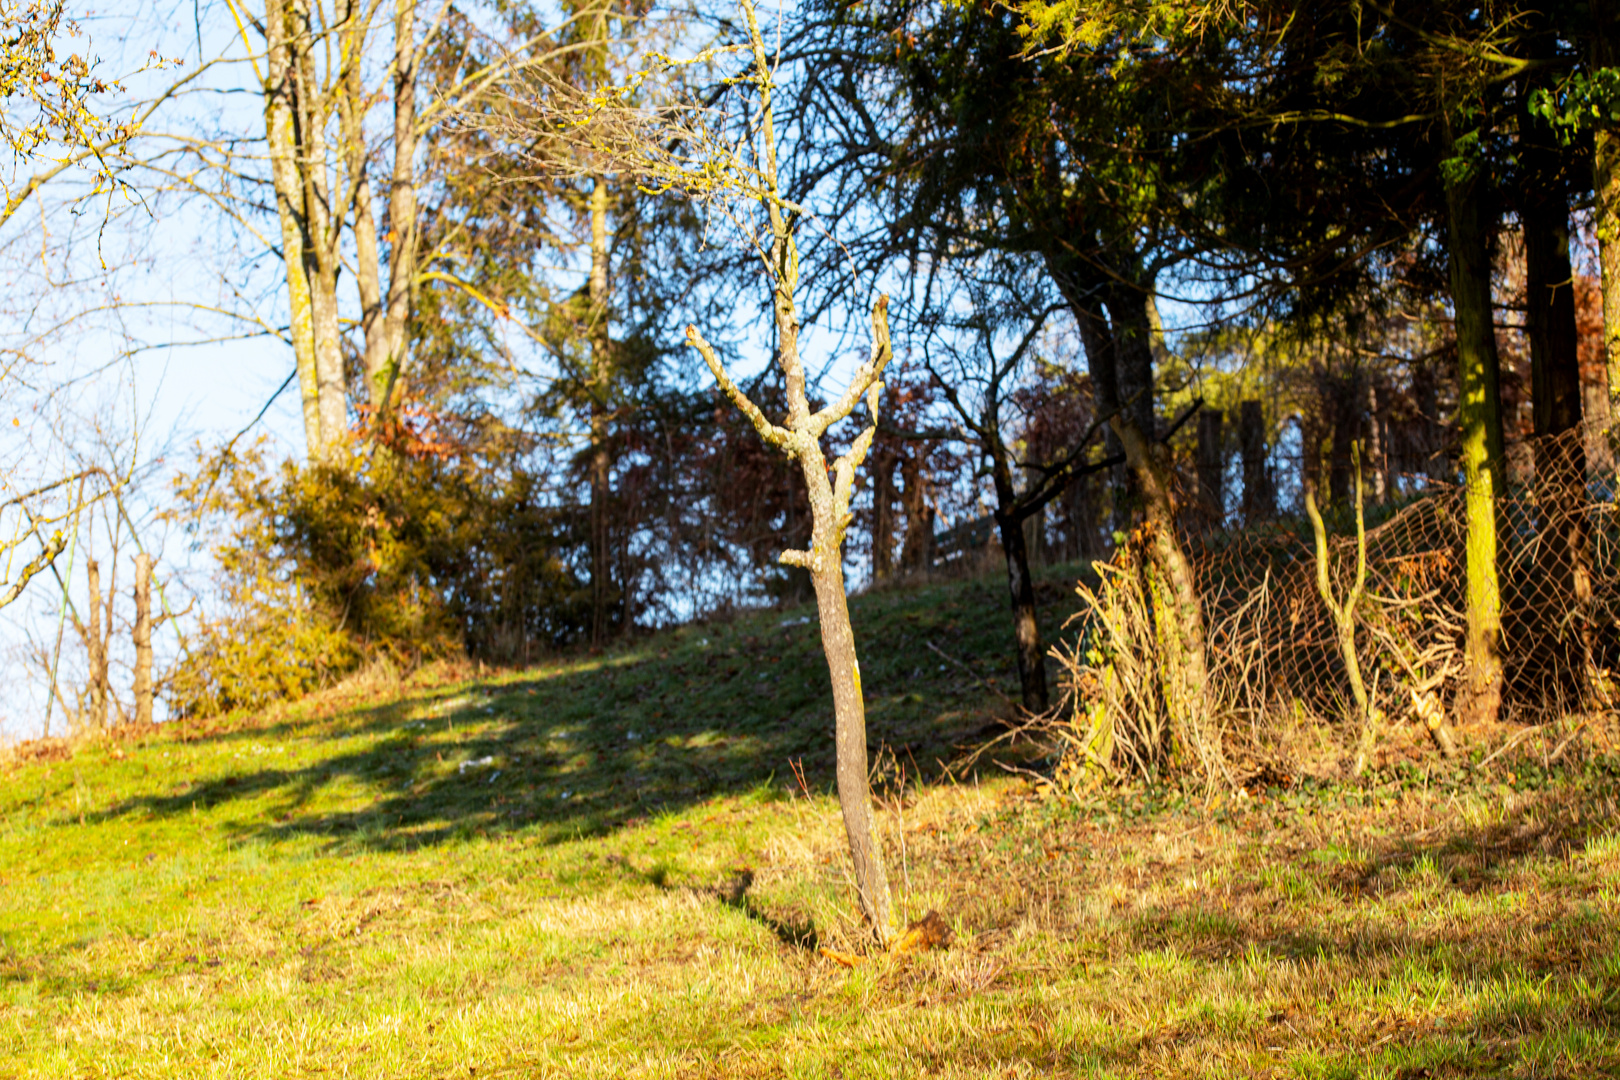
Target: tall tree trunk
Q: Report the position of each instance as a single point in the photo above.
(1555, 396)
(1212, 467)
(1604, 51)
(281, 107)
(321, 240)
(1133, 358)
(1183, 662)
(1375, 459)
(1344, 406)
(1020, 587)
(1479, 419)
(143, 639)
(883, 498)
(96, 648)
(917, 547)
(600, 387)
(1097, 338)
(367, 258)
(403, 227)
(1258, 502)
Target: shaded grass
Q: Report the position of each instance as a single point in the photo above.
(334, 893)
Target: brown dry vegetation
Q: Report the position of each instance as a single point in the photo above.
(330, 892)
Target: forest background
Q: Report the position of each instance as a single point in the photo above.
(366, 325)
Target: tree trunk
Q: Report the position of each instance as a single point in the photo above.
(849, 713)
(281, 94)
(1375, 461)
(917, 549)
(1259, 503)
(1097, 338)
(883, 499)
(1555, 398)
(322, 242)
(837, 635)
(1211, 467)
(403, 227)
(1344, 405)
(1183, 661)
(1605, 52)
(96, 649)
(1479, 419)
(600, 388)
(368, 260)
(1133, 358)
(1020, 587)
(143, 639)
(1606, 166)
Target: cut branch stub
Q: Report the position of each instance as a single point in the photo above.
(866, 376)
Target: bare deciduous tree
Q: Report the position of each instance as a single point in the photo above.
(747, 168)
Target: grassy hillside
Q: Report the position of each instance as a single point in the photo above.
(607, 867)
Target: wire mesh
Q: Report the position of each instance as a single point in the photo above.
(1273, 647)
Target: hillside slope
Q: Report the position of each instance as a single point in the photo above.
(607, 867)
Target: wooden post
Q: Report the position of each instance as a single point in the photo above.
(143, 639)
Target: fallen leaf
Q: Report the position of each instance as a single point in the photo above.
(928, 932)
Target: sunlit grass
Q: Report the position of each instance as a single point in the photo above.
(606, 867)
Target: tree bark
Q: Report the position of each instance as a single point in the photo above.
(403, 227)
(598, 390)
(1555, 381)
(1376, 465)
(1555, 370)
(321, 240)
(368, 260)
(1479, 418)
(1258, 501)
(1211, 467)
(281, 94)
(849, 701)
(1097, 338)
(1605, 52)
(96, 648)
(1344, 405)
(884, 464)
(1133, 357)
(143, 639)
(1020, 588)
(917, 548)
(1183, 663)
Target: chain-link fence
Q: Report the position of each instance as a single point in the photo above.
(1277, 654)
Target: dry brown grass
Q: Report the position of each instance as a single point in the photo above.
(332, 894)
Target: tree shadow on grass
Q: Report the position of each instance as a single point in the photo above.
(793, 928)
(1519, 956)
(587, 747)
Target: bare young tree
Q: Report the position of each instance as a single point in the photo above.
(702, 163)
(980, 383)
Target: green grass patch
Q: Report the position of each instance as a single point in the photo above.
(607, 866)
